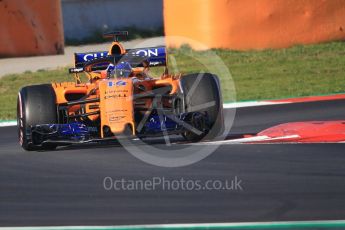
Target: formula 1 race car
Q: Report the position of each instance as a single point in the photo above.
(119, 98)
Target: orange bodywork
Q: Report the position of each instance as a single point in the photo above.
(116, 105)
(115, 108)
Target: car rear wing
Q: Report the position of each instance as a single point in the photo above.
(154, 56)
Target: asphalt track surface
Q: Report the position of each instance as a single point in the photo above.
(280, 182)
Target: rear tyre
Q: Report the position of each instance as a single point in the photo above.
(35, 105)
(202, 96)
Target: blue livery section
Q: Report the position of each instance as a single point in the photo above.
(81, 58)
(154, 56)
(54, 132)
(154, 124)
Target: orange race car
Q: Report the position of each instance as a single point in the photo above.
(119, 98)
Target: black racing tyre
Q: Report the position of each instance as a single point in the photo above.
(202, 95)
(36, 104)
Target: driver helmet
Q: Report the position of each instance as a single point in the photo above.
(122, 69)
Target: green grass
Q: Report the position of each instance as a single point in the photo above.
(268, 74)
(10, 85)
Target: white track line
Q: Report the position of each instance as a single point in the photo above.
(225, 106)
(251, 104)
(255, 139)
(8, 123)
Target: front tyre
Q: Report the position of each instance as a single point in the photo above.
(203, 103)
(35, 105)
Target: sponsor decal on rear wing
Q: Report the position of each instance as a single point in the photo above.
(154, 56)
